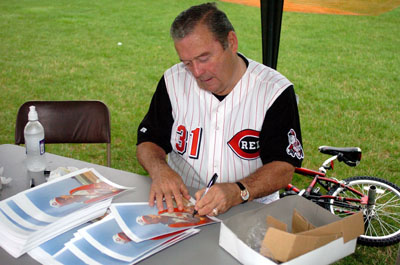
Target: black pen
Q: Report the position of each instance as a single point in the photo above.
(210, 183)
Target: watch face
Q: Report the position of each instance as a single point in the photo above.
(244, 194)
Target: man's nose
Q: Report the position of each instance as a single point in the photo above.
(197, 69)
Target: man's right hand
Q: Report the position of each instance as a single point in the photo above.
(167, 185)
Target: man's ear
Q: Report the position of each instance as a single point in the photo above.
(233, 41)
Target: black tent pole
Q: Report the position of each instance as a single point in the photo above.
(271, 20)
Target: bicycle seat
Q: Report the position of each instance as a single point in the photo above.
(349, 155)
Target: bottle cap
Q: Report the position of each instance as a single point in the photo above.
(32, 115)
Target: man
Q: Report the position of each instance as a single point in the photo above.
(218, 112)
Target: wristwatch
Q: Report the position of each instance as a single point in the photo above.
(244, 193)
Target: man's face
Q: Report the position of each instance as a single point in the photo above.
(205, 58)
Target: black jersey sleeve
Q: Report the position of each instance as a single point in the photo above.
(280, 136)
(157, 124)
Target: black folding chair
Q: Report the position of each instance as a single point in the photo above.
(69, 122)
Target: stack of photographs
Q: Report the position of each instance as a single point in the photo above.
(37, 215)
(129, 234)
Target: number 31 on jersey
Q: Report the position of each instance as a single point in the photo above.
(192, 140)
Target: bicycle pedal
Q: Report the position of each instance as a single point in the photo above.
(316, 193)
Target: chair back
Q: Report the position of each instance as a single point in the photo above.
(69, 122)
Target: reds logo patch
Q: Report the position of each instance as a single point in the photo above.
(294, 148)
(246, 144)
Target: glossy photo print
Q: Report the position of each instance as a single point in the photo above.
(141, 222)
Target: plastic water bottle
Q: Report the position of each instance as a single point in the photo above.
(34, 142)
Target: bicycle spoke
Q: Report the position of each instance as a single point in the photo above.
(381, 207)
(386, 225)
(388, 217)
(381, 224)
(351, 195)
(370, 228)
(387, 194)
(391, 216)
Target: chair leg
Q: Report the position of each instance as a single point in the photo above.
(109, 154)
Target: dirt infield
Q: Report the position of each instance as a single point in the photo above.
(341, 7)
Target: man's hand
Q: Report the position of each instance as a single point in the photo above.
(221, 196)
(167, 185)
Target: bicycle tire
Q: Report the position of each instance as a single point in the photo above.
(382, 226)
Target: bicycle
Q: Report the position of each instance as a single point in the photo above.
(378, 199)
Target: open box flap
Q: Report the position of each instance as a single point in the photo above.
(300, 223)
(275, 223)
(295, 245)
(351, 227)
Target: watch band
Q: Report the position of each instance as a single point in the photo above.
(244, 193)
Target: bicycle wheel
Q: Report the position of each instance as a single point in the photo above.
(382, 223)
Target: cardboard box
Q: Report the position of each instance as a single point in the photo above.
(315, 236)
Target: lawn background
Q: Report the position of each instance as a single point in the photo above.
(346, 72)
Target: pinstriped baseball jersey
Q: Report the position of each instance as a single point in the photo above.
(210, 136)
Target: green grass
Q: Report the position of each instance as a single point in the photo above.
(345, 69)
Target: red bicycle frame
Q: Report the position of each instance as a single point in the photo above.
(320, 178)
